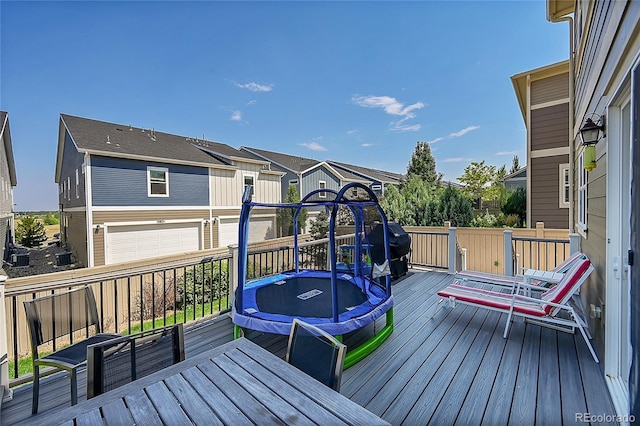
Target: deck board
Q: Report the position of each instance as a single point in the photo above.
(441, 365)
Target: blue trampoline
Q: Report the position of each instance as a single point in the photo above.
(338, 300)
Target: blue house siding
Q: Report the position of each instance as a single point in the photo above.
(72, 161)
(311, 179)
(285, 183)
(122, 182)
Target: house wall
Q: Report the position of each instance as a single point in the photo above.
(545, 194)
(227, 186)
(604, 58)
(285, 183)
(102, 217)
(72, 160)
(311, 178)
(550, 89)
(74, 233)
(549, 126)
(123, 182)
(6, 198)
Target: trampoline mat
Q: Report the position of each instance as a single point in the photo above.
(283, 299)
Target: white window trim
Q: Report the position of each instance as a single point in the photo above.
(293, 182)
(166, 175)
(376, 187)
(77, 184)
(582, 195)
(68, 188)
(564, 186)
(322, 184)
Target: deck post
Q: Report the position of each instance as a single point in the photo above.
(233, 270)
(6, 394)
(574, 243)
(452, 249)
(508, 252)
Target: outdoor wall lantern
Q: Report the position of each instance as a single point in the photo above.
(590, 134)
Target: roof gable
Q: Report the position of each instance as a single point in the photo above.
(5, 135)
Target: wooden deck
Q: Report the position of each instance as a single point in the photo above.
(440, 366)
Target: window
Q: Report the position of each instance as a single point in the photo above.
(565, 186)
(77, 184)
(69, 188)
(158, 181)
(376, 187)
(293, 182)
(248, 182)
(322, 185)
(582, 193)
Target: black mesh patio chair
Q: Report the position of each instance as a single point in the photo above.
(317, 353)
(117, 362)
(59, 315)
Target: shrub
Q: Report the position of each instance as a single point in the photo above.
(155, 300)
(203, 283)
(516, 204)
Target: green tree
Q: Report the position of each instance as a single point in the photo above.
(30, 231)
(477, 178)
(320, 226)
(423, 165)
(284, 216)
(52, 219)
(517, 204)
(515, 165)
(453, 206)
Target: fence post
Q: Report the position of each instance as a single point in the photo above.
(6, 394)
(233, 270)
(539, 229)
(574, 243)
(452, 249)
(464, 259)
(508, 252)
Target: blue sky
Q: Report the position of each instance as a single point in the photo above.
(359, 82)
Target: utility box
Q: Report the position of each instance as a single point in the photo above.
(63, 258)
(20, 259)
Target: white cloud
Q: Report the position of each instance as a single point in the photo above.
(255, 87)
(252, 102)
(314, 146)
(463, 131)
(236, 116)
(350, 132)
(392, 106)
(506, 153)
(453, 160)
(367, 145)
(435, 140)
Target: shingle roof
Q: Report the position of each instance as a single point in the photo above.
(100, 137)
(291, 162)
(375, 174)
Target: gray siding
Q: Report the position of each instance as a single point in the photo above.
(609, 49)
(550, 127)
(72, 160)
(310, 180)
(545, 194)
(121, 182)
(285, 182)
(550, 89)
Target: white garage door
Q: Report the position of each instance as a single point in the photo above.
(260, 229)
(133, 242)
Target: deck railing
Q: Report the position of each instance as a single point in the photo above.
(200, 285)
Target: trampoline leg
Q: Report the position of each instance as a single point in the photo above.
(238, 332)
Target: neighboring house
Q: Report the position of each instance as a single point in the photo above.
(543, 96)
(378, 179)
(305, 173)
(129, 193)
(516, 180)
(8, 181)
(605, 75)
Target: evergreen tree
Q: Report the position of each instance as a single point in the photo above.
(453, 206)
(515, 166)
(423, 165)
(284, 216)
(517, 204)
(320, 226)
(30, 232)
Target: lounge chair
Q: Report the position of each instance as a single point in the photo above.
(510, 281)
(543, 310)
